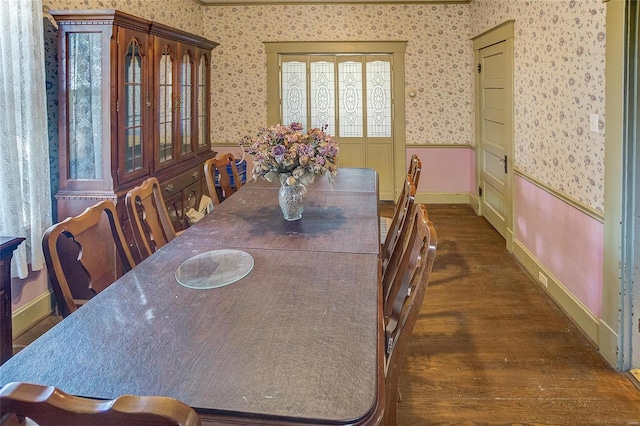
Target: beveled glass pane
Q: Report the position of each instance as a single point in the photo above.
(186, 86)
(379, 99)
(294, 93)
(323, 111)
(350, 99)
(85, 105)
(165, 106)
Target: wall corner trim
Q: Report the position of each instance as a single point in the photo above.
(608, 345)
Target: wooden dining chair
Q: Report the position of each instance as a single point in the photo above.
(49, 406)
(150, 222)
(218, 179)
(80, 255)
(395, 230)
(415, 168)
(403, 305)
(391, 265)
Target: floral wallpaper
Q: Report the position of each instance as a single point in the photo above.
(437, 61)
(183, 14)
(559, 58)
(559, 70)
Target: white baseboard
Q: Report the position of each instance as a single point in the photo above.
(30, 314)
(579, 313)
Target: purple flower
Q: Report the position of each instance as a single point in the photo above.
(305, 150)
(286, 150)
(278, 150)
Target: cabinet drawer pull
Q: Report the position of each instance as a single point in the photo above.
(169, 188)
(195, 175)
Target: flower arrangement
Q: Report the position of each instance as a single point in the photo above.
(285, 152)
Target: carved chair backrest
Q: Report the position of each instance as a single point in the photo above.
(218, 178)
(80, 256)
(47, 405)
(403, 305)
(150, 221)
(397, 230)
(415, 167)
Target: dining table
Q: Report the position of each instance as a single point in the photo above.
(294, 337)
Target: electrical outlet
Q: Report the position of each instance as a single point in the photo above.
(542, 278)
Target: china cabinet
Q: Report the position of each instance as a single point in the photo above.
(134, 100)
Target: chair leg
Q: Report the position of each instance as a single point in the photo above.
(399, 395)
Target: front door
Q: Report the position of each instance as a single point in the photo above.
(495, 143)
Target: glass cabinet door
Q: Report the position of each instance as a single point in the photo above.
(202, 103)
(186, 103)
(84, 79)
(132, 107)
(167, 104)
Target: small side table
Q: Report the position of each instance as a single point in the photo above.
(7, 246)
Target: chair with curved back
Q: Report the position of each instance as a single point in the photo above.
(49, 406)
(218, 179)
(396, 230)
(402, 306)
(80, 256)
(150, 222)
(414, 170)
(393, 254)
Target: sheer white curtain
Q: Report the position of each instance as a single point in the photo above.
(25, 196)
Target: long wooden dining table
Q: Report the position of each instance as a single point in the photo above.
(298, 340)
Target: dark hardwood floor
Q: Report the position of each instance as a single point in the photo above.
(490, 346)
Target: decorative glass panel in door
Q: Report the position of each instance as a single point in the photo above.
(350, 99)
(379, 99)
(165, 106)
(133, 109)
(85, 105)
(323, 103)
(185, 104)
(379, 141)
(294, 92)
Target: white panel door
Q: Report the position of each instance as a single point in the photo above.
(495, 137)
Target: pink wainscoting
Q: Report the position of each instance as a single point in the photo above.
(28, 289)
(568, 242)
(445, 169)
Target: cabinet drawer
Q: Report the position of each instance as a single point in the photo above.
(176, 211)
(178, 183)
